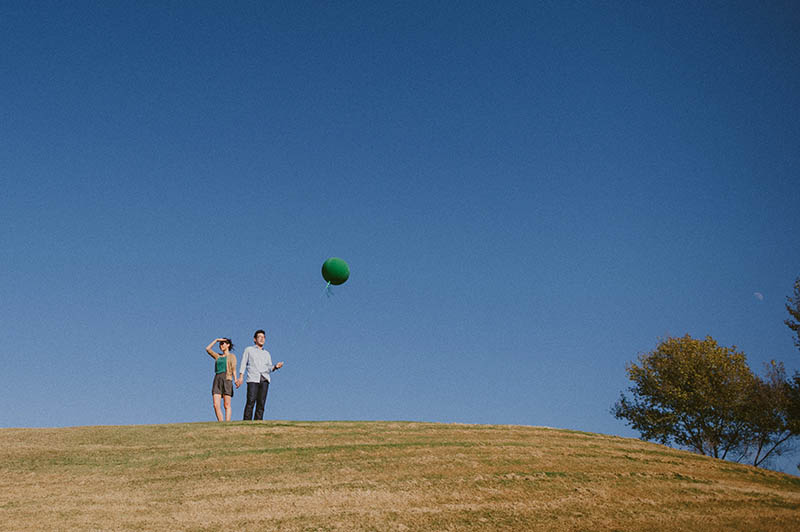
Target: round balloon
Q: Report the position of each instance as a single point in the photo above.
(335, 270)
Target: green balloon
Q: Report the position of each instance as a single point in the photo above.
(335, 270)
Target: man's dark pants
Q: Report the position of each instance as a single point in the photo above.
(256, 395)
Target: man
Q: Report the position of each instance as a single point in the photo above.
(258, 363)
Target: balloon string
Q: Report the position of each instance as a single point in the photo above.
(310, 311)
(328, 290)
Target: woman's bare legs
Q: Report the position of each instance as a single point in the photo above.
(227, 407)
(216, 406)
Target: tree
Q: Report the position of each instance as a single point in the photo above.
(794, 403)
(793, 322)
(772, 414)
(793, 307)
(690, 392)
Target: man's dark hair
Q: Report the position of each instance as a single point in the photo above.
(260, 331)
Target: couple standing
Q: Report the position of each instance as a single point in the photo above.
(256, 361)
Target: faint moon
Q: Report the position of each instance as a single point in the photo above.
(758, 295)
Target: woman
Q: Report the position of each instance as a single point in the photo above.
(224, 370)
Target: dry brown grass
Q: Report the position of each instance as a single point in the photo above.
(374, 476)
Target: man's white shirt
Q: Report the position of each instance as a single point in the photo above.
(257, 362)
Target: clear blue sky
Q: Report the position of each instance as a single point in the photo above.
(528, 196)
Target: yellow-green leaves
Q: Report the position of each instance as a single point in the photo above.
(692, 392)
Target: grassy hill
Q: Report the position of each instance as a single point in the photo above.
(374, 476)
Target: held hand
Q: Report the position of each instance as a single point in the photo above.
(279, 365)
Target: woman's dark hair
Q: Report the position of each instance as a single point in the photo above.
(260, 331)
(230, 344)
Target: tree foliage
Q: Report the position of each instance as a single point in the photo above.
(793, 307)
(702, 396)
(690, 392)
(772, 414)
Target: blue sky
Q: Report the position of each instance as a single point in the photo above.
(528, 196)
